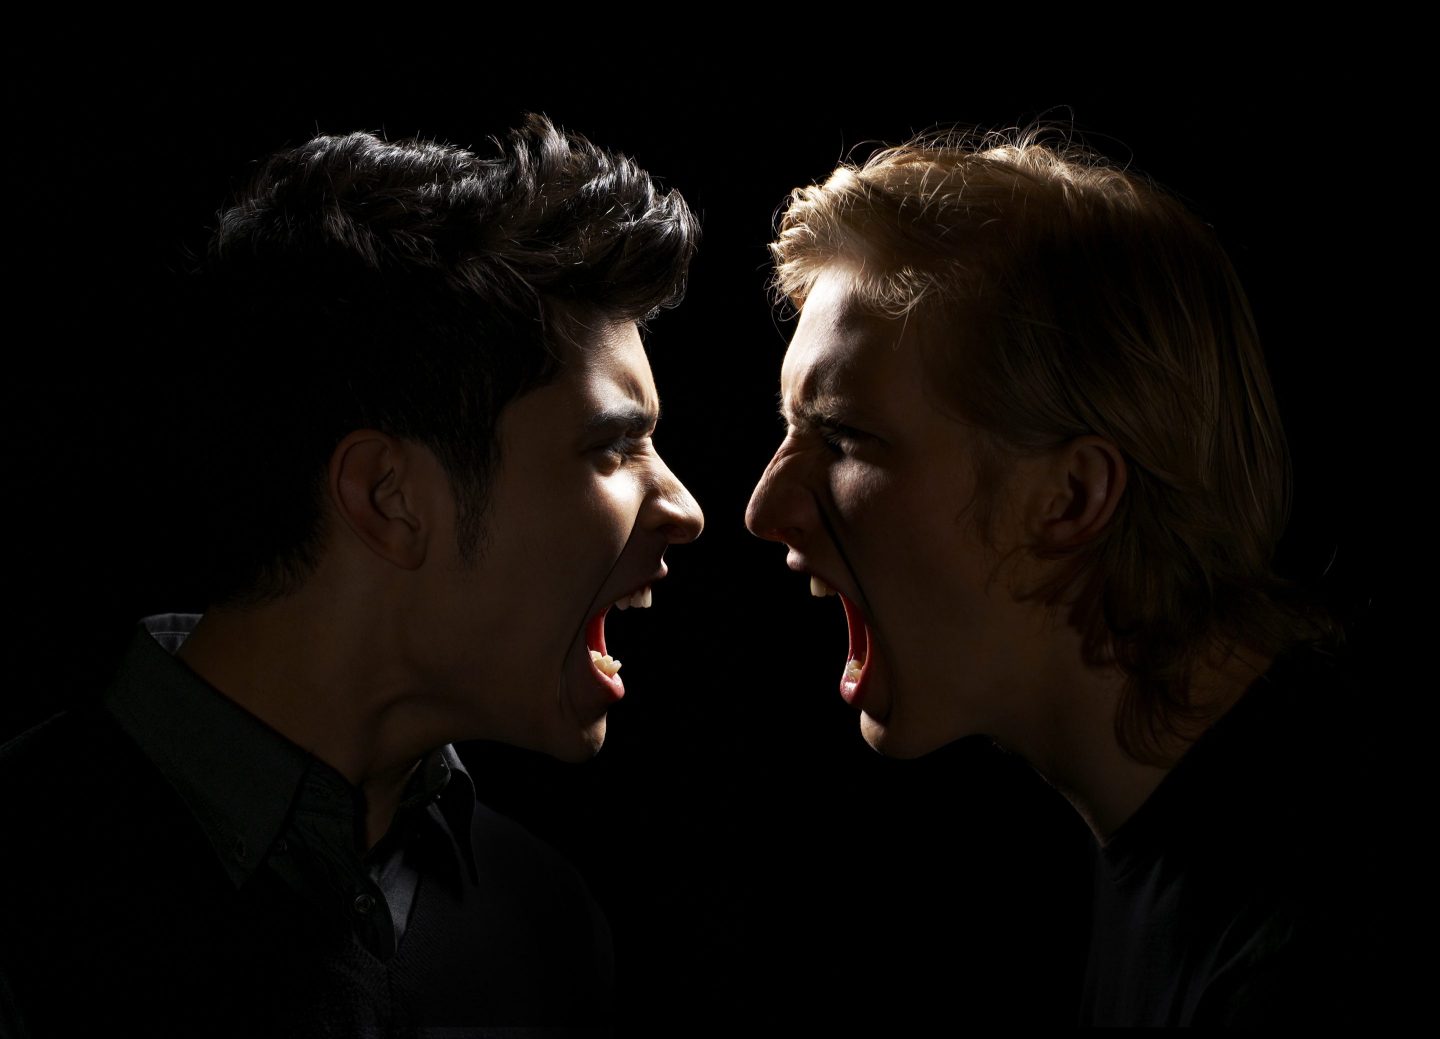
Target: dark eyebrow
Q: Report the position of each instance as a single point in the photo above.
(632, 418)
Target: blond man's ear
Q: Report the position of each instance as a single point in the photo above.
(1077, 488)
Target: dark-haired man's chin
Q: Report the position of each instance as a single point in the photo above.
(585, 744)
(572, 743)
(563, 737)
(577, 733)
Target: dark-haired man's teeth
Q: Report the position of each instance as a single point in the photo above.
(642, 599)
(819, 588)
(605, 662)
(852, 670)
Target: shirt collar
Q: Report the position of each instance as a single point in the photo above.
(185, 727)
(456, 806)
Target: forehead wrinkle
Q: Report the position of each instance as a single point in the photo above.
(644, 396)
(836, 367)
(818, 391)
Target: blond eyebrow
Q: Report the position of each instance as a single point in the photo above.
(816, 410)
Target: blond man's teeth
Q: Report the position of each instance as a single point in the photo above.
(852, 670)
(641, 599)
(605, 662)
(819, 588)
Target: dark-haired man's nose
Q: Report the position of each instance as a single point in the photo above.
(674, 510)
(780, 509)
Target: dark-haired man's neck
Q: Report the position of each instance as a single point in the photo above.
(321, 669)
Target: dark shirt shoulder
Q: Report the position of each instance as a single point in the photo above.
(115, 904)
(1242, 891)
(77, 781)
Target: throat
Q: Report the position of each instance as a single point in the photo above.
(383, 794)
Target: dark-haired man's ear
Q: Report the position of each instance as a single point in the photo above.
(373, 486)
(1081, 488)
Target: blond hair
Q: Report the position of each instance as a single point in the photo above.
(1078, 298)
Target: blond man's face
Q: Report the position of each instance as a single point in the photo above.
(872, 492)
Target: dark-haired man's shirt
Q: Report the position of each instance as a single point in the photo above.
(174, 866)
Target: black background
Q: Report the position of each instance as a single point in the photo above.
(756, 859)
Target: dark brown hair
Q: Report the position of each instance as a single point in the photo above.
(406, 286)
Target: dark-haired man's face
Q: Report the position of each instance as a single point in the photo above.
(577, 521)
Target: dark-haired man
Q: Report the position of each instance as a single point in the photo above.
(423, 465)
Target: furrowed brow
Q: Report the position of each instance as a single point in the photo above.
(814, 411)
(632, 418)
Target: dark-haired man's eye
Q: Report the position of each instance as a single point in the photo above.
(622, 449)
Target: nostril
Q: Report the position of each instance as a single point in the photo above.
(762, 523)
(683, 521)
(682, 533)
(784, 535)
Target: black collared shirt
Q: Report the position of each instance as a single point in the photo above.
(185, 869)
(277, 807)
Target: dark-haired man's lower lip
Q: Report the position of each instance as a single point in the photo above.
(610, 685)
(854, 679)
